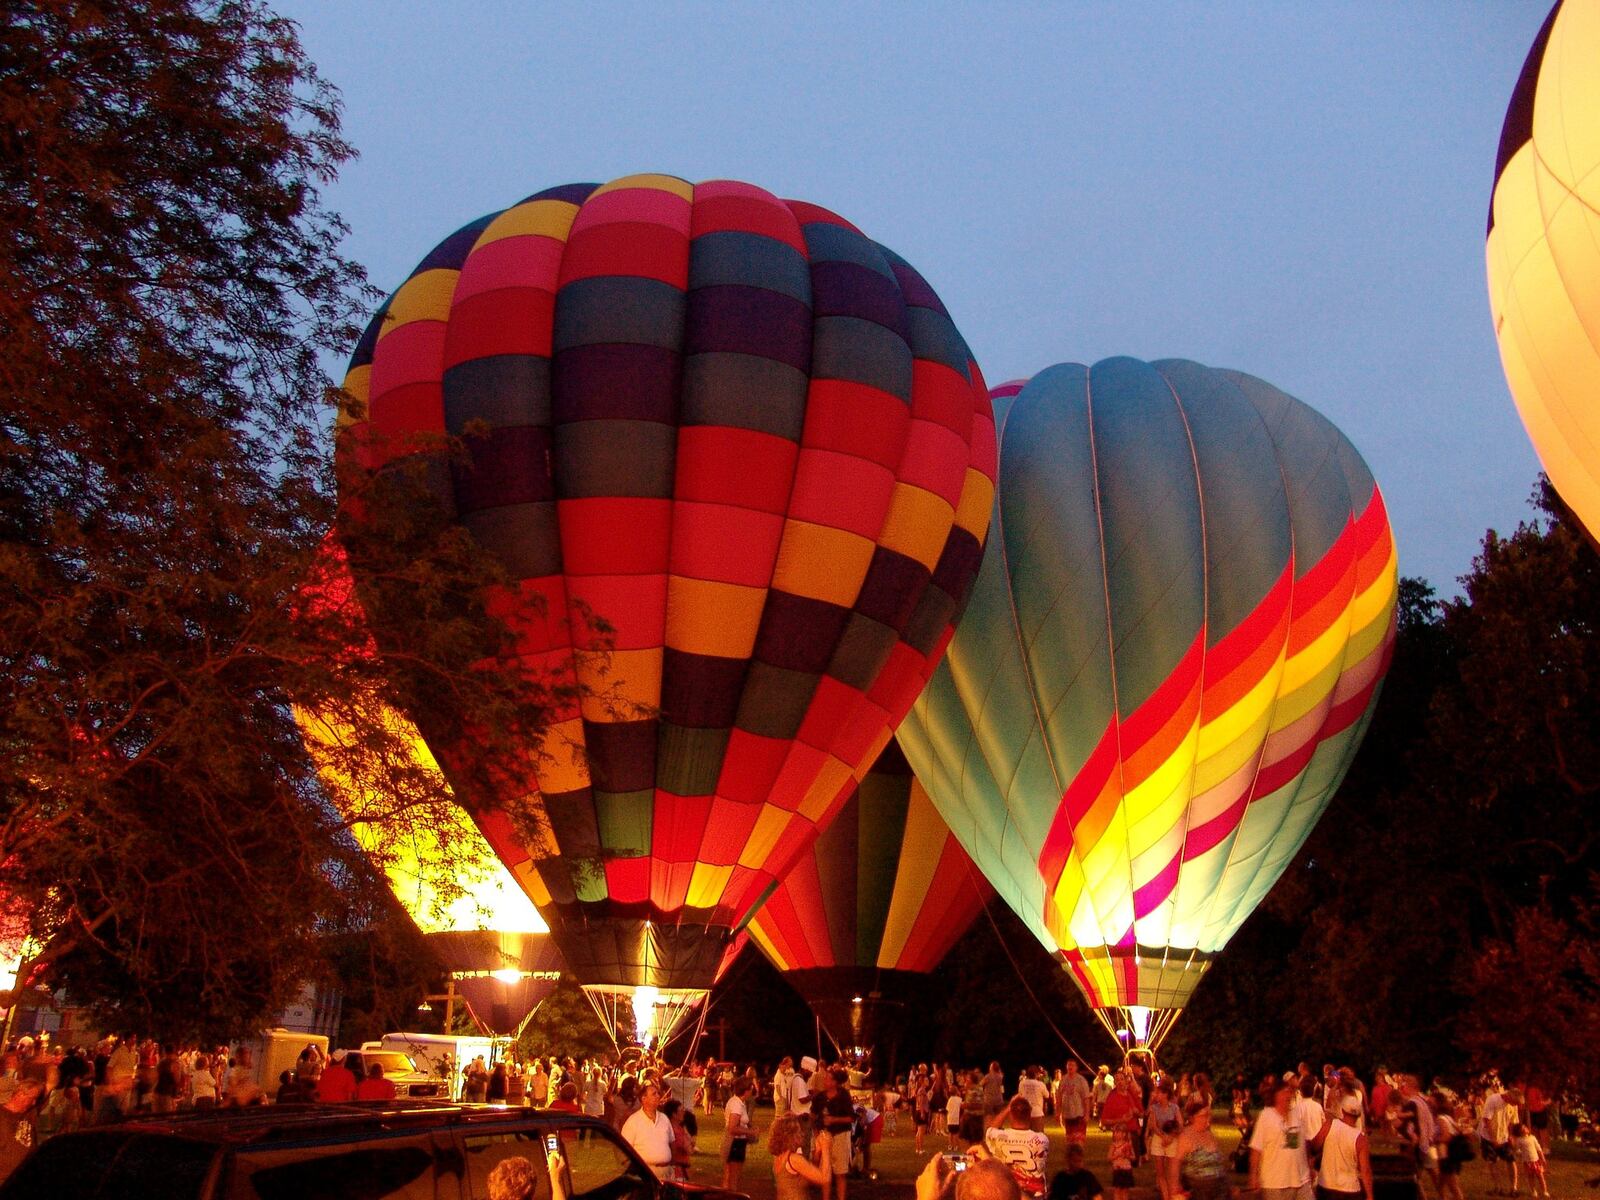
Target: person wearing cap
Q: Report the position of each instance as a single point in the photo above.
(1279, 1167)
(799, 1100)
(1346, 1170)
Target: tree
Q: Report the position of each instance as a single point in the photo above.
(170, 284)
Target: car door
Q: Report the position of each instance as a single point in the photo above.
(401, 1166)
(600, 1166)
(485, 1148)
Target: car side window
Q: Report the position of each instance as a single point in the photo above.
(399, 1168)
(601, 1168)
(485, 1151)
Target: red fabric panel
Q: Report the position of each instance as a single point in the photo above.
(679, 826)
(1150, 897)
(748, 213)
(723, 465)
(800, 767)
(1208, 836)
(525, 261)
(628, 880)
(642, 249)
(750, 766)
(733, 545)
(644, 205)
(1179, 689)
(935, 459)
(727, 830)
(635, 605)
(406, 368)
(615, 535)
(841, 491)
(669, 883)
(945, 397)
(510, 321)
(1080, 794)
(830, 708)
(853, 418)
(806, 214)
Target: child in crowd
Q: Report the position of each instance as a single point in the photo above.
(1530, 1159)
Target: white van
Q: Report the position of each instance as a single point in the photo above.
(443, 1055)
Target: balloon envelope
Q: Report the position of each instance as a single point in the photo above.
(873, 907)
(1543, 252)
(1170, 655)
(750, 441)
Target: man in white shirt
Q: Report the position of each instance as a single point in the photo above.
(1020, 1147)
(780, 1085)
(1035, 1091)
(649, 1131)
(1279, 1167)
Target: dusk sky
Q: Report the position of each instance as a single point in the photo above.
(1294, 190)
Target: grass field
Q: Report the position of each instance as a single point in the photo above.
(896, 1164)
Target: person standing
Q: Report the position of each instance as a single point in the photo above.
(375, 1086)
(838, 1113)
(1163, 1123)
(1036, 1092)
(1346, 1169)
(337, 1083)
(649, 1132)
(994, 1091)
(1279, 1166)
(1014, 1142)
(737, 1132)
(1202, 1171)
(1073, 1098)
(794, 1175)
(1494, 1136)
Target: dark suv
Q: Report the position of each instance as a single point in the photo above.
(406, 1149)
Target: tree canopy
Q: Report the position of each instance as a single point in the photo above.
(171, 284)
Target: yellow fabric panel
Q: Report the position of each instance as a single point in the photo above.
(560, 767)
(1315, 691)
(1246, 713)
(665, 183)
(423, 297)
(835, 774)
(357, 382)
(976, 503)
(1225, 760)
(764, 836)
(1566, 111)
(920, 850)
(1066, 897)
(712, 618)
(821, 562)
(1328, 647)
(918, 524)
(707, 884)
(490, 898)
(629, 690)
(761, 940)
(1092, 827)
(1153, 797)
(540, 218)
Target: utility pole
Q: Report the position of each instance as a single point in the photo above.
(721, 1028)
(449, 999)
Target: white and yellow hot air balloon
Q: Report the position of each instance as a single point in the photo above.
(1543, 251)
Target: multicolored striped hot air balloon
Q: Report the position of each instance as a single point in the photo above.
(872, 908)
(1170, 656)
(1543, 251)
(751, 441)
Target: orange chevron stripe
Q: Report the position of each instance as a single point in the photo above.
(1153, 719)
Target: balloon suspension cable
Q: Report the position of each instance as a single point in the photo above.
(972, 871)
(694, 1042)
(1134, 1027)
(656, 1012)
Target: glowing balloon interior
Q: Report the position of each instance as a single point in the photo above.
(1543, 252)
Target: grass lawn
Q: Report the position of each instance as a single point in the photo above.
(897, 1164)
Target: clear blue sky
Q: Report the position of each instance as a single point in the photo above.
(1297, 190)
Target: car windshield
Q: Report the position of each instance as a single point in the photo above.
(392, 1061)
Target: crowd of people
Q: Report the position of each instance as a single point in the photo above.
(1299, 1131)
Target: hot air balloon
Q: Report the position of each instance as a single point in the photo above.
(487, 934)
(1543, 251)
(1171, 654)
(750, 442)
(872, 908)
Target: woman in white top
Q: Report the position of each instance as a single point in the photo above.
(737, 1135)
(1346, 1171)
